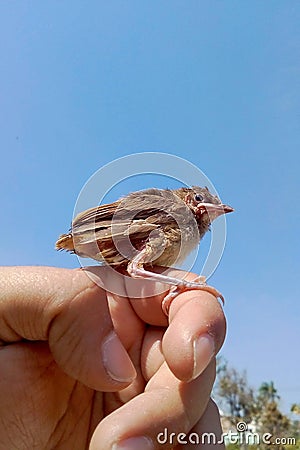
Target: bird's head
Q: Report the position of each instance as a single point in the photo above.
(205, 206)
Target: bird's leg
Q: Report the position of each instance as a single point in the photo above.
(149, 253)
(136, 270)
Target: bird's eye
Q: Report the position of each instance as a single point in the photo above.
(198, 198)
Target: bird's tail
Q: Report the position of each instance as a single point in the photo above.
(65, 242)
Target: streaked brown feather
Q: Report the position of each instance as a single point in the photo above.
(95, 231)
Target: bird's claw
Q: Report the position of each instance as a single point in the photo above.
(189, 285)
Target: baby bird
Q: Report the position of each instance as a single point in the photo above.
(150, 227)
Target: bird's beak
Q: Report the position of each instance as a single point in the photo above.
(227, 208)
(214, 210)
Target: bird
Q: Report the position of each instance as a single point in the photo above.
(151, 227)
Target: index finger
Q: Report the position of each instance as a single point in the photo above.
(197, 324)
(195, 335)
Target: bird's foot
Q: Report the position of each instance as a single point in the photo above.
(197, 283)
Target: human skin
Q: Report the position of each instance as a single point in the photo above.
(85, 369)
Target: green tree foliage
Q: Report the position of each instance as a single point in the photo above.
(258, 408)
(235, 396)
(267, 392)
(295, 408)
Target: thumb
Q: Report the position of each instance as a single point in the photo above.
(65, 308)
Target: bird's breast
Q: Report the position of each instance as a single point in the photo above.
(178, 245)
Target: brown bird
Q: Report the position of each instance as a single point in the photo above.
(151, 227)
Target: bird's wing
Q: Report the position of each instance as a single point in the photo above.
(98, 231)
(137, 213)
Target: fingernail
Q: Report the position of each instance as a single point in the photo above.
(204, 350)
(134, 443)
(116, 361)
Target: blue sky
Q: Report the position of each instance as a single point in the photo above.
(214, 82)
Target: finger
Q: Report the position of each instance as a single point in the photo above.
(145, 296)
(195, 334)
(66, 308)
(155, 418)
(207, 434)
(152, 356)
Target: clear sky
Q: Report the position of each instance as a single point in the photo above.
(214, 82)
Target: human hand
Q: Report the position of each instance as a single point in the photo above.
(80, 366)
